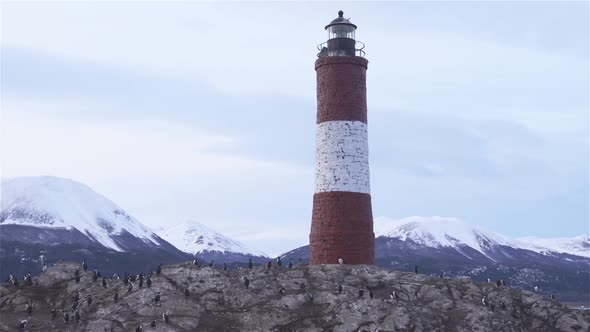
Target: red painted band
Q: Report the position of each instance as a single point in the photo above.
(341, 88)
(342, 227)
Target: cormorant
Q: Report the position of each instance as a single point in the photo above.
(340, 288)
(186, 292)
(211, 264)
(89, 299)
(224, 267)
(282, 290)
(246, 282)
(165, 318)
(23, 323)
(29, 307)
(290, 263)
(371, 295)
(153, 323)
(104, 283)
(250, 264)
(269, 265)
(84, 265)
(157, 298)
(139, 328)
(66, 318)
(159, 269)
(416, 269)
(483, 301)
(149, 282)
(116, 296)
(130, 288)
(361, 292)
(53, 313)
(340, 261)
(279, 262)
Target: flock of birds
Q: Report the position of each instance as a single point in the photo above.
(130, 282)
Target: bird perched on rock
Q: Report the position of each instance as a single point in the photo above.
(393, 295)
(159, 269)
(89, 299)
(536, 289)
(53, 314)
(371, 295)
(492, 306)
(84, 265)
(44, 268)
(140, 283)
(149, 282)
(153, 323)
(211, 264)
(224, 267)
(250, 264)
(186, 292)
(282, 290)
(77, 315)
(489, 280)
(416, 269)
(302, 287)
(246, 282)
(29, 308)
(290, 263)
(551, 296)
(77, 278)
(310, 297)
(502, 305)
(498, 283)
(77, 296)
(23, 323)
(66, 318)
(340, 288)
(165, 318)
(139, 329)
(157, 298)
(483, 301)
(268, 265)
(502, 282)
(361, 292)
(195, 262)
(116, 296)
(279, 262)
(130, 287)
(340, 261)
(104, 283)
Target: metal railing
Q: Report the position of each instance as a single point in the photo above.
(358, 50)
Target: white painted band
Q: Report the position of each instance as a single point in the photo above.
(342, 157)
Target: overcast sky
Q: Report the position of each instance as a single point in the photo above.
(202, 111)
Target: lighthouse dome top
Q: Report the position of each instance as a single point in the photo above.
(341, 21)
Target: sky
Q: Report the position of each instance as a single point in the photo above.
(206, 111)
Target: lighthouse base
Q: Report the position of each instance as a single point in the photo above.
(342, 227)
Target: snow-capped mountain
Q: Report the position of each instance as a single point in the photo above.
(439, 232)
(577, 246)
(63, 204)
(195, 238)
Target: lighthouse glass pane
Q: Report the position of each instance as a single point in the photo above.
(341, 31)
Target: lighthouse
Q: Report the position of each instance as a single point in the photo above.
(342, 218)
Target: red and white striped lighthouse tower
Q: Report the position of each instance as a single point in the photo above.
(342, 222)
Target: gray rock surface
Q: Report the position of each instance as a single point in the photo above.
(219, 301)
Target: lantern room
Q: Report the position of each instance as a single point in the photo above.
(341, 39)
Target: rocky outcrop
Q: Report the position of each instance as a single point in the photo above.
(280, 299)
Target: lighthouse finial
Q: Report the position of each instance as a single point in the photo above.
(340, 13)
